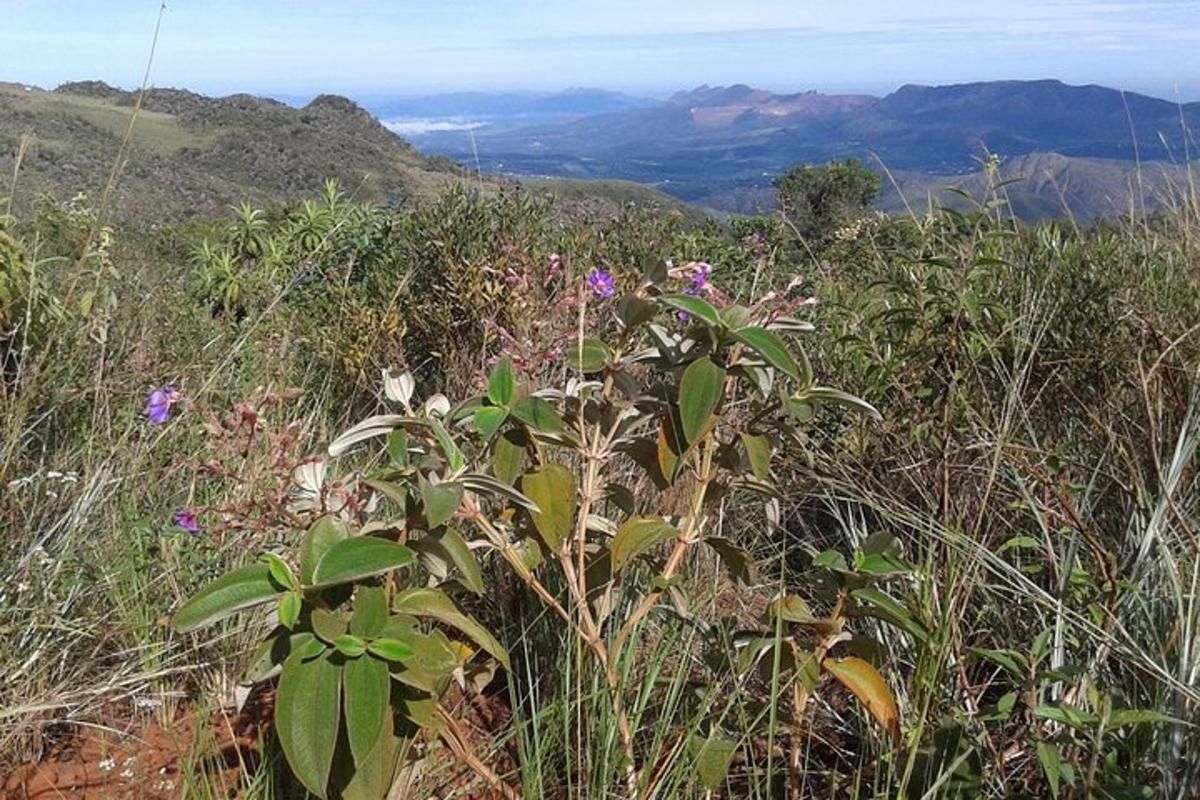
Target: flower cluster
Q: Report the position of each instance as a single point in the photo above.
(602, 284)
(159, 402)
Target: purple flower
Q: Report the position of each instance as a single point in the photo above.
(602, 284)
(187, 520)
(158, 404)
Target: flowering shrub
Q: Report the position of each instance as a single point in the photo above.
(602, 487)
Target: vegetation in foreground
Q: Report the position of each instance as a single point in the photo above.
(681, 567)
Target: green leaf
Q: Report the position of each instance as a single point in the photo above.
(350, 645)
(800, 410)
(700, 389)
(463, 559)
(270, 654)
(637, 536)
(1051, 761)
(321, 535)
(1010, 660)
(488, 420)
(1076, 718)
(328, 625)
(486, 484)
(888, 608)
(553, 489)
(694, 307)
(390, 649)
(501, 383)
(508, 456)
(830, 559)
(289, 609)
(307, 717)
(824, 394)
(454, 456)
(435, 604)
(397, 447)
(758, 453)
(771, 347)
(634, 311)
(395, 492)
(711, 758)
(880, 565)
(589, 355)
(869, 687)
(441, 500)
(735, 317)
(242, 588)
(373, 771)
(281, 573)
(538, 414)
(736, 560)
(370, 611)
(360, 557)
(1137, 716)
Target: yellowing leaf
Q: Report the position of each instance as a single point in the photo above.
(869, 687)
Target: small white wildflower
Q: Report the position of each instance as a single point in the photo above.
(107, 764)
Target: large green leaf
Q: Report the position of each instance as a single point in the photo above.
(373, 772)
(307, 717)
(589, 355)
(700, 390)
(242, 588)
(553, 489)
(436, 605)
(441, 500)
(712, 757)
(359, 557)
(508, 456)
(637, 536)
(463, 559)
(501, 383)
(771, 347)
(370, 611)
(365, 688)
(695, 307)
(488, 420)
(538, 414)
(321, 535)
(454, 456)
(758, 453)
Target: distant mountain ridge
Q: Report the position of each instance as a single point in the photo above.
(194, 156)
(719, 146)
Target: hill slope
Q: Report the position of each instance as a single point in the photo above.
(193, 155)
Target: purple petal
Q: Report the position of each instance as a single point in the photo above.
(187, 521)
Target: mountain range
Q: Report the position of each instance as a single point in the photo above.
(719, 147)
(192, 156)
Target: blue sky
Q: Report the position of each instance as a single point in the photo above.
(361, 47)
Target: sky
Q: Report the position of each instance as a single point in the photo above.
(650, 47)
